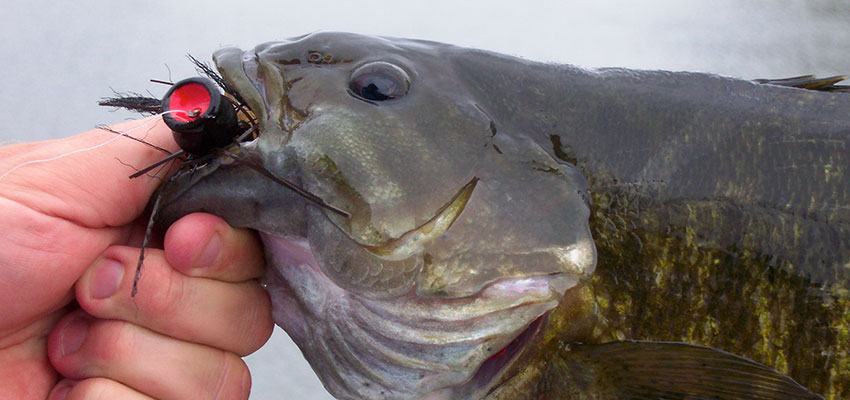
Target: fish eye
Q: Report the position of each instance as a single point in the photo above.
(379, 81)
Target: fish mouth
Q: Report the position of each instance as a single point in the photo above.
(250, 66)
(240, 70)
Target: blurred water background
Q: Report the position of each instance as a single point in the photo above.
(59, 58)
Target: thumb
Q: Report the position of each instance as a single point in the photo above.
(84, 178)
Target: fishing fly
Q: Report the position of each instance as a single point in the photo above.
(204, 122)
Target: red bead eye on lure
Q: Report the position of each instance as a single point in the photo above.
(199, 116)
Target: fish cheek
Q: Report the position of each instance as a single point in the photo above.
(400, 165)
(525, 218)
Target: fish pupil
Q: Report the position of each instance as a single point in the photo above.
(373, 92)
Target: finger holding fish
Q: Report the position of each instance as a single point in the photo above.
(63, 203)
(181, 306)
(81, 171)
(116, 344)
(156, 365)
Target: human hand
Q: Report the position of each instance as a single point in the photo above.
(180, 337)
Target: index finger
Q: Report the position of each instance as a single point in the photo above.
(84, 178)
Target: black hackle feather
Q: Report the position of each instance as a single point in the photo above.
(205, 69)
(133, 102)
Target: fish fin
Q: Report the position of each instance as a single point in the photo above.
(669, 370)
(811, 83)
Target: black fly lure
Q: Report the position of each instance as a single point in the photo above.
(204, 121)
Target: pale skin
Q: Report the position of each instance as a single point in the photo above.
(72, 229)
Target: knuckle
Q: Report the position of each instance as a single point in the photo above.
(233, 380)
(167, 296)
(112, 341)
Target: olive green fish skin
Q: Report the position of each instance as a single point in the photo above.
(719, 208)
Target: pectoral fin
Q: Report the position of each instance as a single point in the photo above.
(666, 370)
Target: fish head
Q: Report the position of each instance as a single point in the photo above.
(458, 235)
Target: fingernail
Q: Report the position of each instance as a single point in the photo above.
(73, 335)
(106, 278)
(60, 393)
(210, 252)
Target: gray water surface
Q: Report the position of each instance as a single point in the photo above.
(59, 58)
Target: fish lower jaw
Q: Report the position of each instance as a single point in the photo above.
(408, 347)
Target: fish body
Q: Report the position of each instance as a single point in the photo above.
(516, 229)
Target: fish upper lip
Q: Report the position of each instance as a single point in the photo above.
(250, 65)
(230, 62)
